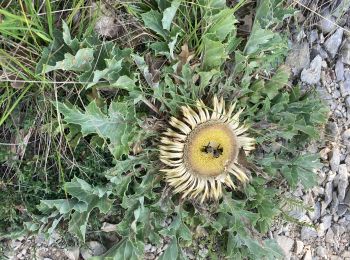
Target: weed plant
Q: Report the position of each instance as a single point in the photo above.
(81, 117)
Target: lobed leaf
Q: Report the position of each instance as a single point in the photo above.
(79, 62)
(118, 126)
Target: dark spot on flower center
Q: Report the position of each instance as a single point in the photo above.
(213, 148)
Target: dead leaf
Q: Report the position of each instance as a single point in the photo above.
(184, 54)
(137, 148)
(23, 142)
(15, 82)
(108, 227)
(153, 66)
(184, 57)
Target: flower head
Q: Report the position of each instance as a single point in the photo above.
(201, 152)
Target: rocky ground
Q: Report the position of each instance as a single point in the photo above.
(320, 59)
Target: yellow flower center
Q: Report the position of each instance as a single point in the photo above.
(211, 147)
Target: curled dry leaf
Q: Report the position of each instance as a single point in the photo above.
(137, 148)
(184, 57)
(108, 227)
(15, 82)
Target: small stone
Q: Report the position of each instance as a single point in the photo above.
(327, 25)
(346, 135)
(342, 208)
(347, 74)
(328, 193)
(329, 236)
(338, 113)
(335, 203)
(332, 43)
(318, 50)
(339, 70)
(298, 192)
(321, 251)
(347, 198)
(335, 257)
(308, 255)
(321, 178)
(327, 221)
(338, 230)
(342, 181)
(203, 252)
(313, 36)
(93, 248)
(313, 74)
(299, 246)
(347, 101)
(297, 213)
(308, 233)
(346, 254)
(316, 213)
(72, 253)
(331, 176)
(332, 130)
(286, 244)
(298, 58)
(148, 247)
(336, 94)
(335, 159)
(324, 153)
(345, 52)
(344, 87)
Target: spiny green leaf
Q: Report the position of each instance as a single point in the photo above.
(271, 12)
(214, 54)
(124, 82)
(64, 206)
(169, 14)
(278, 81)
(124, 250)
(223, 23)
(79, 62)
(109, 73)
(257, 37)
(85, 198)
(73, 44)
(171, 252)
(78, 224)
(118, 126)
(273, 250)
(153, 21)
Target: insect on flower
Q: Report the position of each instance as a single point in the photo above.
(201, 151)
